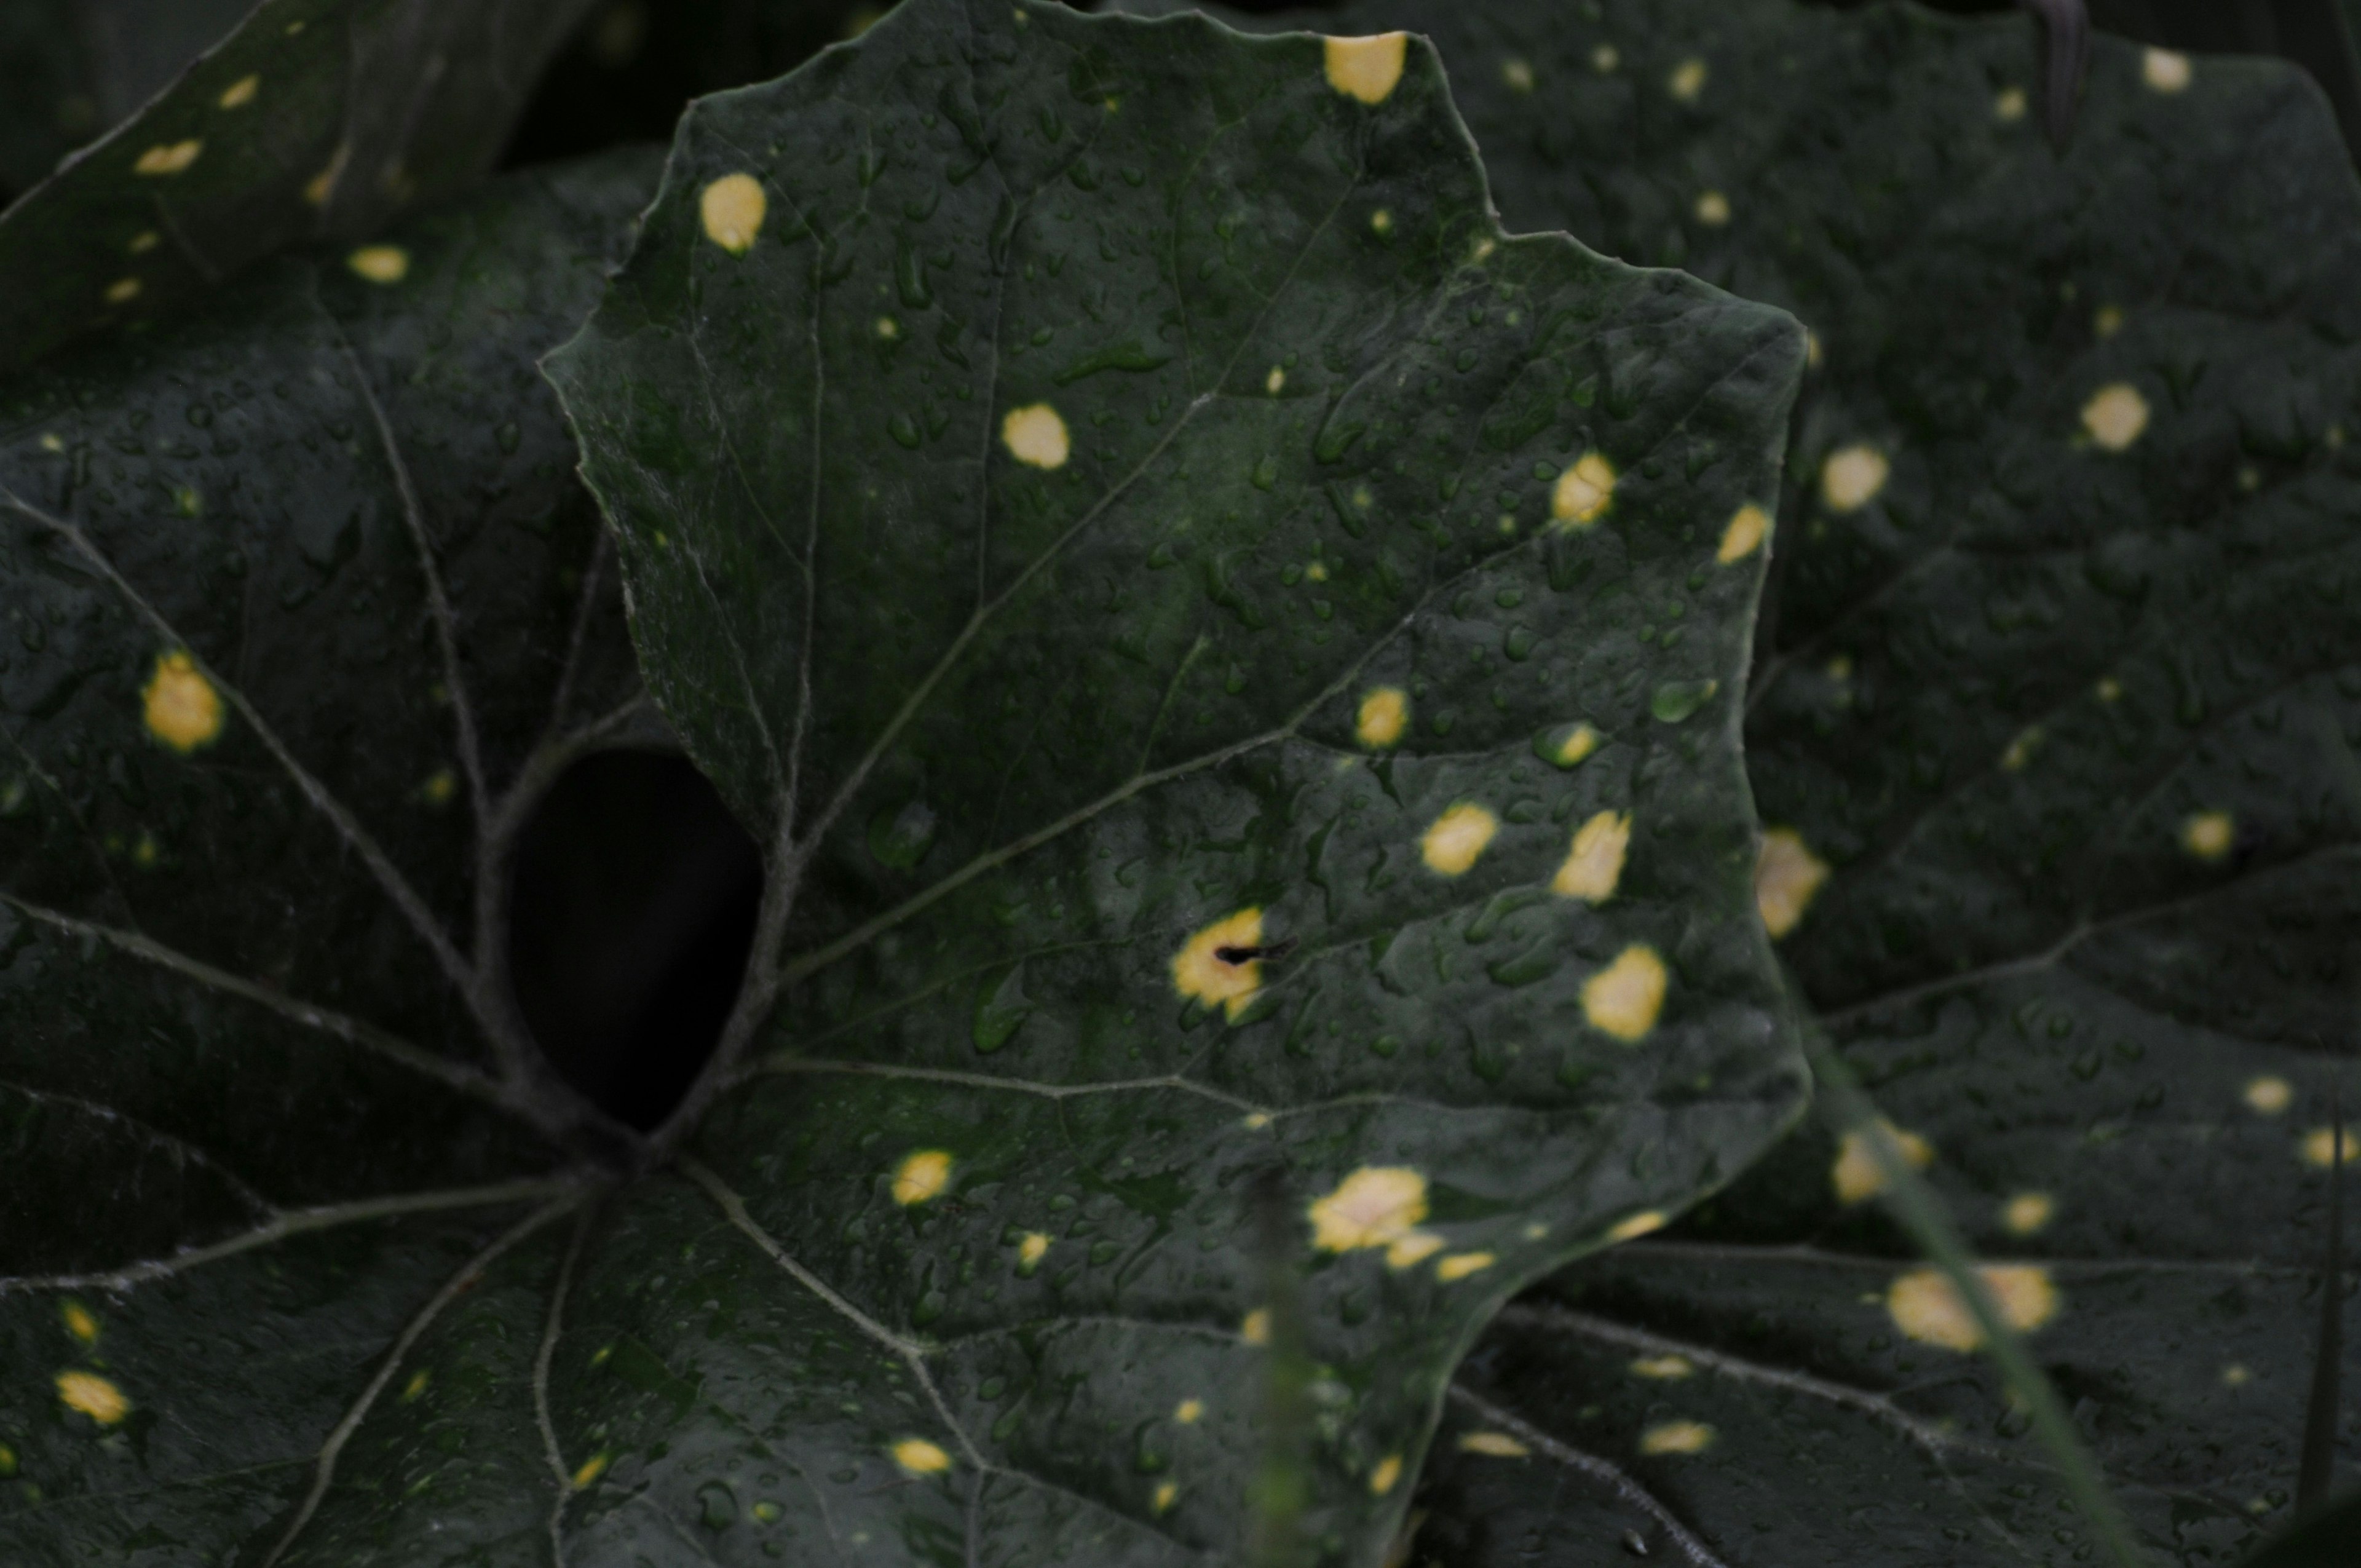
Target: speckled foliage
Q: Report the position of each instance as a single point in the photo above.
(2053, 728)
(1235, 663)
(69, 68)
(250, 989)
(315, 118)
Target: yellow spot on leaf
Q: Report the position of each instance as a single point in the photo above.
(1663, 1368)
(1036, 435)
(2020, 750)
(144, 241)
(323, 185)
(439, 787)
(240, 92)
(2321, 1146)
(1517, 75)
(2108, 320)
(1857, 1175)
(417, 1385)
(1605, 58)
(922, 1175)
(1595, 865)
(123, 290)
(1189, 1412)
(1032, 1250)
(1686, 80)
(1712, 209)
(1202, 973)
(1413, 1249)
(2235, 1376)
(1317, 572)
(733, 208)
(174, 159)
(2270, 1096)
(767, 1512)
(1748, 526)
(2028, 1213)
(386, 264)
(1852, 476)
(888, 328)
(78, 1322)
(1786, 875)
(1498, 1444)
(1579, 743)
(93, 1395)
(2008, 106)
(1389, 1471)
(1385, 714)
(1274, 381)
(1460, 1265)
(1381, 222)
(1368, 68)
(2109, 689)
(1926, 1305)
(1255, 1327)
(182, 710)
(1167, 1493)
(1676, 1437)
(2115, 415)
(1624, 998)
(2209, 835)
(1584, 492)
(1375, 1206)
(1631, 1227)
(1453, 841)
(919, 1457)
(2164, 71)
(592, 1468)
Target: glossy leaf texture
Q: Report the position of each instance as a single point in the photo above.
(69, 68)
(2052, 732)
(304, 607)
(1235, 661)
(314, 119)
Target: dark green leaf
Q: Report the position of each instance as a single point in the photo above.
(315, 118)
(69, 68)
(1037, 683)
(261, 1096)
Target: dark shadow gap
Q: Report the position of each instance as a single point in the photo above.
(634, 911)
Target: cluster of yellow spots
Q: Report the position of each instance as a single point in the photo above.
(1595, 865)
(1858, 1174)
(1676, 1437)
(1389, 1471)
(1686, 80)
(2115, 415)
(1786, 875)
(1385, 714)
(1749, 525)
(916, 1456)
(922, 1175)
(240, 92)
(733, 208)
(2164, 70)
(1583, 492)
(1200, 974)
(1663, 1368)
(2269, 1096)
(2028, 1213)
(182, 708)
(92, 1395)
(1712, 209)
(590, 1471)
(1624, 998)
(2008, 106)
(1928, 1307)
(1495, 1444)
(2324, 1147)
(1366, 68)
(2209, 835)
(1454, 841)
(1647, 1222)
(1853, 475)
(1036, 436)
(173, 157)
(381, 264)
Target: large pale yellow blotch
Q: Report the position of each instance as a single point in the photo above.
(1624, 998)
(1676, 1437)
(1366, 68)
(2165, 71)
(1786, 875)
(93, 1395)
(921, 1176)
(1853, 475)
(1200, 972)
(732, 209)
(1596, 862)
(2209, 835)
(1858, 1176)
(1748, 526)
(2115, 415)
(1375, 1206)
(1584, 492)
(1035, 436)
(1453, 841)
(182, 708)
(916, 1456)
(1926, 1305)
(1385, 714)
(168, 159)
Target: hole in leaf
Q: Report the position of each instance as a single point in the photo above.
(632, 913)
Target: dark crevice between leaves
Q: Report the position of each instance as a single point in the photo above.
(635, 908)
